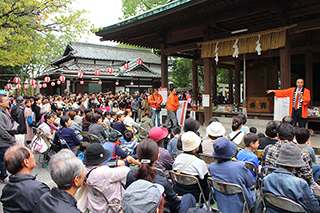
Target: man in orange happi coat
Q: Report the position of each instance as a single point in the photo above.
(172, 107)
(299, 98)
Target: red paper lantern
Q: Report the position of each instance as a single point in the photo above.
(58, 82)
(16, 80)
(81, 82)
(18, 86)
(131, 83)
(9, 86)
(47, 79)
(62, 78)
(80, 75)
(25, 86)
(34, 86)
(140, 62)
(32, 82)
(110, 69)
(97, 72)
(52, 84)
(117, 83)
(44, 85)
(39, 86)
(100, 82)
(126, 66)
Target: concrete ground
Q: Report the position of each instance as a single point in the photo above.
(43, 174)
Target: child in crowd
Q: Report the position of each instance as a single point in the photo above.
(127, 143)
(117, 152)
(253, 130)
(83, 147)
(113, 117)
(172, 145)
(251, 141)
(107, 119)
(304, 143)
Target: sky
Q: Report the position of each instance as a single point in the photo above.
(102, 13)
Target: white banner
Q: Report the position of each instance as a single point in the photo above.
(182, 112)
(281, 108)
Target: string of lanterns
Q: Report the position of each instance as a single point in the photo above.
(62, 79)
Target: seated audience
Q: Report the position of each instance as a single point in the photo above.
(253, 130)
(172, 145)
(159, 135)
(86, 122)
(224, 150)
(284, 184)
(106, 178)
(244, 128)
(96, 129)
(116, 152)
(195, 167)
(214, 130)
(23, 191)
(128, 120)
(271, 135)
(45, 126)
(251, 141)
(236, 136)
(193, 125)
(127, 143)
(68, 173)
(148, 154)
(286, 135)
(76, 127)
(303, 137)
(82, 149)
(67, 134)
(288, 120)
(146, 124)
(119, 125)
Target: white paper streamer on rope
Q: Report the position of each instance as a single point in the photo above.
(236, 49)
(258, 47)
(216, 51)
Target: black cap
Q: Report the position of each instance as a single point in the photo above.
(113, 137)
(95, 154)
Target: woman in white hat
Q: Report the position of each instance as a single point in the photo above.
(214, 130)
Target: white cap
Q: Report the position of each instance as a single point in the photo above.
(190, 141)
(215, 129)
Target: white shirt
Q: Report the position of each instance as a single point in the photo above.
(239, 139)
(45, 128)
(129, 121)
(196, 167)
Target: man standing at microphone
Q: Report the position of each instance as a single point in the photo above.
(299, 98)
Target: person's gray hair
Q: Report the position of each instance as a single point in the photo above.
(64, 167)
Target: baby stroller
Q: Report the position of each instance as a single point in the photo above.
(43, 146)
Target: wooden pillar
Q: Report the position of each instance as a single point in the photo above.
(237, 81)
(214, 82)
(207, 64)
(195, 79)
(164, 66)
(309, 73)
(230, 85)
(285, 64)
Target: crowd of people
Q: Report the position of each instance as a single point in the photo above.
(129, 132)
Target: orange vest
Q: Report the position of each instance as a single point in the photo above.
(289, 93)
(158, 99)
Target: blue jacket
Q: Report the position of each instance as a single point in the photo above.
(69, 136)
(284, 184)
(233, 172)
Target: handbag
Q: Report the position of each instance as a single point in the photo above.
(57, 147)
(29, 121)
(14, 128)
(158, 109)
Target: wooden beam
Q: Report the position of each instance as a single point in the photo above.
(164, 66)
(285, 64)
(207, 89)
(182, 48)
(237, 81)
(214, 82)
(306, 26)
(230, 85)
(182, 55)
(195, 79)
(303, 11)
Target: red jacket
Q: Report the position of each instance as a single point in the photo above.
(172, 102)
(289, 93)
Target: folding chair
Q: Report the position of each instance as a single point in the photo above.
(93, 138)
(188, 180)
(281, 202)
(159, 172)
(316, 150)
(230, 189)
(84, 134)
(266, 170)
(97, 192)
(207, 158)
(259, 153)
(114, 130)
(316, 193)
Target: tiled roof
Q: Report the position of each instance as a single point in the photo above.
(136, 70)
(104, 52)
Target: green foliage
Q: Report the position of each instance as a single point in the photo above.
(28, 28)
(181, 73)
(134, 7)
(222, 75)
